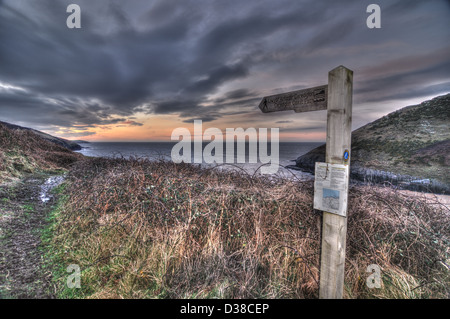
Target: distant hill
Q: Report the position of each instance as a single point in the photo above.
(410, 147)
(24, 151)
(57, 140)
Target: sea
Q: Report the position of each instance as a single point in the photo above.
(288, 152)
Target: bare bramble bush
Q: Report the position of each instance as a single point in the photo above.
(141, 229)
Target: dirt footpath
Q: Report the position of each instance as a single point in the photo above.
(23, 211)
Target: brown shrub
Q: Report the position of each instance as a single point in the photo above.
(156, 229)
(24, 151)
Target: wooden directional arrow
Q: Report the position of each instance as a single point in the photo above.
(307, 100)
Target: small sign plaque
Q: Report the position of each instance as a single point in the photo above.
(346, 156)
(331, 188)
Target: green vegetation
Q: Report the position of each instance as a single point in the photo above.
(54, 256)
(27, 210)
(413, 141)
(141, 229)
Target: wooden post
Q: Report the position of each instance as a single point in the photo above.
(334, 227)
(336, 98)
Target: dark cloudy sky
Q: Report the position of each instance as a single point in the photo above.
(138, 69)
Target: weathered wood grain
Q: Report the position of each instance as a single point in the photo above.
(306, 100)
(334, 227)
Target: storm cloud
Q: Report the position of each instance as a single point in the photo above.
(206, 59)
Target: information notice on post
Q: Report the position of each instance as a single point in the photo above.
(331, 188)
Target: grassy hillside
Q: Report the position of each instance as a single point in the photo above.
(141, 229)
(24, 151)
(413, 141)
(72, 145)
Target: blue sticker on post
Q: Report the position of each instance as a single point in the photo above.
(346, 156)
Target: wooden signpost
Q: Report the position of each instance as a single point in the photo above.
(313, 99)
(336, 98)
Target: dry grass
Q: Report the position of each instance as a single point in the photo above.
(142, 229)
(25, 152)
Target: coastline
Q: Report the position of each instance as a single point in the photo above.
(369, 176)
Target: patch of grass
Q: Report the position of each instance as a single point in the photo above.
(141, 229)
(5, 294)
(5, 234)
(58, 190)
(28, 209)
(54, 255)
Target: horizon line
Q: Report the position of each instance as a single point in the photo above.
(83, 141)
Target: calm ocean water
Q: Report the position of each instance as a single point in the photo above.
(288, 152)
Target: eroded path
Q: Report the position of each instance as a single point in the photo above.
(24, 207)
